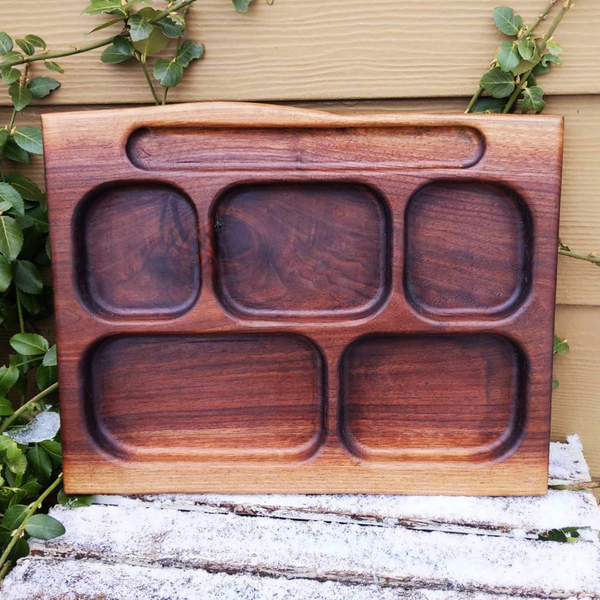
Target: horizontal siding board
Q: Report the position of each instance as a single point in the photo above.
(310, 49)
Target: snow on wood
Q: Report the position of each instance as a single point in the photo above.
(48, 579)
(207, 547)
(527, 516)
(567, 462)
(350, 553)
(521, 517)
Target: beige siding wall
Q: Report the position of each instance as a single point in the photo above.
(346, 55)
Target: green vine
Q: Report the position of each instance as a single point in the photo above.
(30, 444)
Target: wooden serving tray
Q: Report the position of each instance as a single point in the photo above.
(255, 298)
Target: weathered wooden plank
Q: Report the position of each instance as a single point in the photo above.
(350, 553)
(314, 49)
(50, 579)
(527, 517)
(493, 516)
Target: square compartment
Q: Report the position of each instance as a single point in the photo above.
(467, 249)
(138, 251)
(296, 249)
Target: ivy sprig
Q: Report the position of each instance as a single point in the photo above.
(511, 80)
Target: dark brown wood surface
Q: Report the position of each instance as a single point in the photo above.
(265, 299)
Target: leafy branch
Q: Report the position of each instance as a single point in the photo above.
(511, 81)
(30, 443)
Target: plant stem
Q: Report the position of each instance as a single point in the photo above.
(23, 408)
(577, 487)
(568, 4)
(33, 507)
(20, 311)
(149, 82)
(94, 45)
(580, 256)
(474, 100)
(541, 17)
(4, 569)
(177, 46)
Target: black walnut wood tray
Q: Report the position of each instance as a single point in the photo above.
(253, 298)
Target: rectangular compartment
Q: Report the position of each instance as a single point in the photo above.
(256, 299)
(432, 398)
(206, 397)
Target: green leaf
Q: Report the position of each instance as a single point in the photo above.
(6, 407)
(44, 527)
(506, 20)
(54, 450)
(45, 377)
(497, 83)
(172, 26)
(14, 516)
(188, 52)
(540, 69)
(560, 346)
(5, 281)
(533, 100)
(27, 188)
(31, 303)
(168, 72)
(5, 442)
(36, 217)
(3, 136)
(15, 460)
(11, 238)
(11, 57)
(242, 6)
(40, 462)
(555, 384)
(551, 58)
(27, 277)
(119, 51)
(26, 46)
(527, 49)
(8, 378)
(508, 56)
(29, 344)
(6, 43)
(10, 74)
(29, 139)
(73, 501)
(40, 87)
(139, 28)
(16, 154)
(523, 67)
(554, 47)
(36, 41)
(20, 96)
(156, 41)
(9, 196)
(53, 66)
(50, 359)
(98, 7)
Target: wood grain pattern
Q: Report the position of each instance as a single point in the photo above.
(460, 234)
(302, 250)
(310, 49)
(249, 214)
(432, 398)
(232, 402)
(133, 238)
